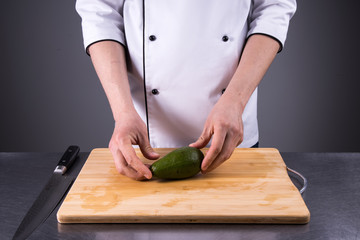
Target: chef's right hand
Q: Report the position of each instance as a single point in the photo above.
(131, 130)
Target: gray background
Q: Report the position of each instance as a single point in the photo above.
(50, 96)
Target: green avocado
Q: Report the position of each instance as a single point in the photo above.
(181, 163)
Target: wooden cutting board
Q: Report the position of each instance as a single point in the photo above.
(251, 187)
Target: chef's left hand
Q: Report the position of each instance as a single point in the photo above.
(224, 125)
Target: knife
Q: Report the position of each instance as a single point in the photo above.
(50, 196)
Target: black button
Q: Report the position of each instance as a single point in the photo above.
(155, 91)
(222, 92)
(152, 37)
(225, 38)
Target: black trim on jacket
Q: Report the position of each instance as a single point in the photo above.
(102, 40)
(145, 93)
(281, 46)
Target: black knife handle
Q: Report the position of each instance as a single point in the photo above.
(67, 159)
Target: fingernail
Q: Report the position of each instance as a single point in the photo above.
(148, 176)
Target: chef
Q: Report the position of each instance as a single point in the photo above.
(182, 72)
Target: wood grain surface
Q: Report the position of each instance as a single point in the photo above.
(251, 187)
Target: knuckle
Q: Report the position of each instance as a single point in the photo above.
(139, 177)
(148, 148)
(216, 150)
(132, 176)
(239, 138)
(120, 170)
(220, 126)
(236, 129)
(224, 123)
(117, 142)
(130, 161)
(236, 135)
(121, 141)
(227, 156)
(221, 159)
(111, 145)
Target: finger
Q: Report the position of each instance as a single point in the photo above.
(227, 150)
(147, 150)
(122, 166)
(132, 159)
(215, 149)
(117, 160)
(132, 173)
(203, 140)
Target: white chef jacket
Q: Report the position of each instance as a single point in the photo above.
(182, 54)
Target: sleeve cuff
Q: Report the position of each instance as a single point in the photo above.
(280, 43)
(101, 40)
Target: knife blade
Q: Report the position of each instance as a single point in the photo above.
(50, 196)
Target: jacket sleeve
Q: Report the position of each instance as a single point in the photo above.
(101, 20)
(271, 17)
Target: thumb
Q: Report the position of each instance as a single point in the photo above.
(147, 150)
(202, 140)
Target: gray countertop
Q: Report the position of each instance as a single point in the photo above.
(333, 198)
